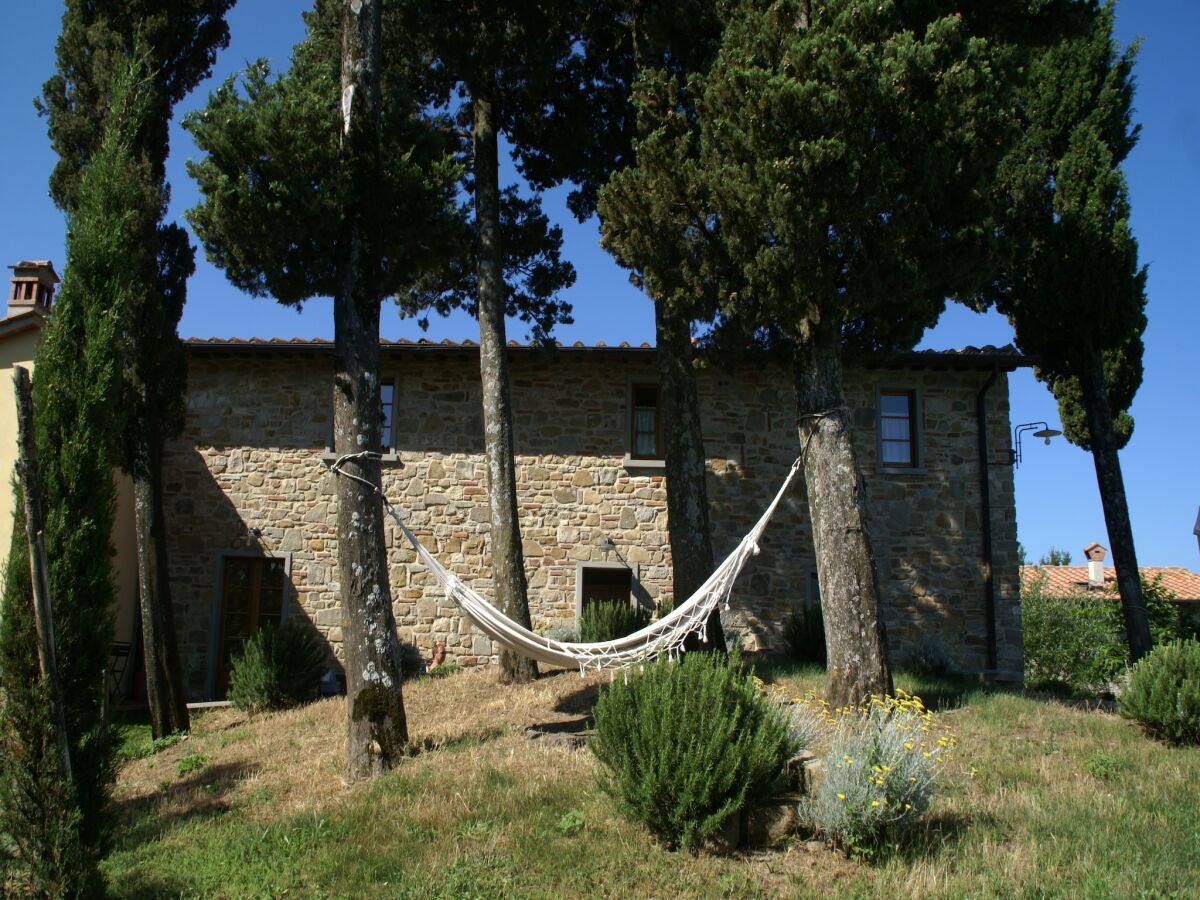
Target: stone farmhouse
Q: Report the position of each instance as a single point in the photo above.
(251, 506)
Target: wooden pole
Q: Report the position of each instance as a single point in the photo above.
(34, 522)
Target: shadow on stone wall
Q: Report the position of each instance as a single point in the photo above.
(206, 527)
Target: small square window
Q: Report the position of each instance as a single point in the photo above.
(645, 422)
(387, 418)
(897, 429)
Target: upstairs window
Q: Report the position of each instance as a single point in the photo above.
(645, 425)
(897, 429)
(387, 417)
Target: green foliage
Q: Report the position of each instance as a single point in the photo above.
(1163, 693)
(564, 632)
(687, 745)
(1080, 641)
(571, 822)
(281, 666)
(804, 635)
(192, 763)
(1106, 766)
(1069, 255)
(879, 775)
(445, 670)
(39, 814)
(610, 619)
(268, 141)
(929, 656)
(1055, 557)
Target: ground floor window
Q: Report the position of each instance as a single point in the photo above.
(607, 582)
(252, 594)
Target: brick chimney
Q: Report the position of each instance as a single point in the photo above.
(1094, 554)
(32, 286)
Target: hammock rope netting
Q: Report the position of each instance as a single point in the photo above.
(664, 636)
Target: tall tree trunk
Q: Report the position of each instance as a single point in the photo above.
(165, 692)
(508, 564)
(1116, 509)
(377, 731)
(854, 628)
(687, 494)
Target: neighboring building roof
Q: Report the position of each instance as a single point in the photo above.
(1068, 581)
(987, 357)
(22, 321)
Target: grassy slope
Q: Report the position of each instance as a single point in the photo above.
(1064, 802)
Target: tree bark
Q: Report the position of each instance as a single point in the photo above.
(508, 564)
(687, 493)
(377, 731)
(854, 629)
(1116, 509)
(165, 692)
(43, 615)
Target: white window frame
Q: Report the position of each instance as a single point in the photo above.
(388, 454)
(918, 430)
(639, 465)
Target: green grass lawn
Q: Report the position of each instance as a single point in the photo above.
(1063, 802)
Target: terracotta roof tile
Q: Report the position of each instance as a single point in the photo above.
(1068, 581)
(1005, 357)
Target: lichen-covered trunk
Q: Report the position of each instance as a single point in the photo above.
(1116, 510)
(687, 494)
(165, 694)
(508, 563)
(854, 628)
(377, 731)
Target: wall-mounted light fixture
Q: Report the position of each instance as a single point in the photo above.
(1037, 430)
(606, 545)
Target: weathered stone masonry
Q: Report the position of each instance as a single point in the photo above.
(248, 476)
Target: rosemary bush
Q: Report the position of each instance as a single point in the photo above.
(609, 620)
(1163, 694)
(281, 666)
(687, 745)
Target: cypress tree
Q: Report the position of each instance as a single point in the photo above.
(498, 57)
(587, 135)
(76, 399)
(825, 199)
(382, 217)
(1069, 280)
(177, 41)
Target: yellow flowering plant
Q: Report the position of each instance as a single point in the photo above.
(880, 772)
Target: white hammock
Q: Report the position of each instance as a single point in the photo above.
(664, 636)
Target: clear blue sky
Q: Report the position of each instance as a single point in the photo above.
(1057, 500)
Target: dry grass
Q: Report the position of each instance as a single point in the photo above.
(297, 757)
(1063, 802)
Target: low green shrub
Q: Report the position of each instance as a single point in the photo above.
(879, 775)
(929, 657)
(280, 666)
(189, 764)
(563, 632)
(610, 619)
(1080, 642)
(444, 670)
(804, 635)
(1163, 693)
(686, 745)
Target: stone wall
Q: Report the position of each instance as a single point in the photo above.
(248, 476)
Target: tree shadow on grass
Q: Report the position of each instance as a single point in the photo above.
(580, 702)
(938, 834)
(202, 794)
